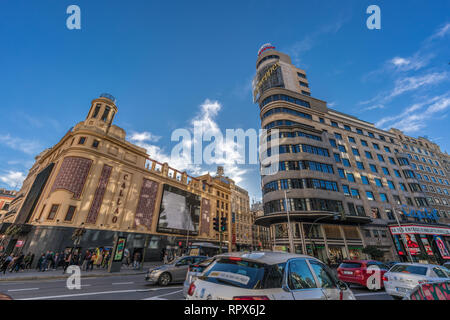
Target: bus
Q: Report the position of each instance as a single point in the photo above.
(205, 249)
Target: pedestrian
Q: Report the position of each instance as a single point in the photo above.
(6, 263)
(86, 259)
(67, 261)
(106, 259)
(18, 263)
(126, 254)
(56, 259)
(136, 261)
(166, 258)
(26, 260)
(92, 260)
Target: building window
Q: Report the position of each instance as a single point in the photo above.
(359, 131)
(383, 197)
(355, 194)
(338, 136)
(391, 185)
(380, 157)
(346, 190)
(82, 140)
(360, 165)
(355, 152)
(386, 171)
(95, 144)
(342, 148)
(106, 113)
(346, 127)
(368, 155)
(373, 168)
(346, 162)
(350, 177)
(351, 139)
(337, 157)
(369, 195)
(334, 124)
(364, 180)
(376, 146)
(367, 233)
(53, 211)
(378, 183)
(364, 143)
(96, 111)
(70, 213)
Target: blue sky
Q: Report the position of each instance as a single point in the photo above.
(174, 63)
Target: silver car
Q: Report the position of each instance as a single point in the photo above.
(402, 278)
(173, 272)
(266, 275)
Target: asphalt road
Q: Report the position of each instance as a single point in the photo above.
(118, 287)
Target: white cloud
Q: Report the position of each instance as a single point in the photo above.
(31, 147)
(144, 136)
(441, 32)
(13, 179)
(407, 84)
(227, 153)
(415, 117)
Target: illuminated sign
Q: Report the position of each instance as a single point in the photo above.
(420, 230)
(424, 214)
(264, 78)
(411, 244)
(265, 47)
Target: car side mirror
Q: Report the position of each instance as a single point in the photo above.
(342, 285)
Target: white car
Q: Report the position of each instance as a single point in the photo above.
(193, 272)
(402, 278)
(262, 275)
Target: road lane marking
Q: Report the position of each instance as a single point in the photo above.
(27, 289)
(370, 294)
(119, 283)
(84, 294)
(162, 295)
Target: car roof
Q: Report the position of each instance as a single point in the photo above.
(267, 257)
(359, 261)
(416, 264)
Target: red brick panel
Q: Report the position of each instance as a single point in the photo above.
(205, 216)
(98, 195)
(146, 204)
(72, 175)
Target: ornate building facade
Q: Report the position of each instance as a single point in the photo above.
(94, 179)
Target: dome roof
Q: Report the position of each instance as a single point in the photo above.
(265, 47)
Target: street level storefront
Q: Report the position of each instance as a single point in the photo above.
(327, 242)
(421, 240)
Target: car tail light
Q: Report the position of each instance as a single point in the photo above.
(235, 259)
(191, 289)
(385, 278)
(251, 298)
(357, 272)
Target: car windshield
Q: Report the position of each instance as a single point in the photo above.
(350, 265)
(404, 268)
(244, 274)
(201, 266)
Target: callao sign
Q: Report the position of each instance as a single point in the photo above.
(421, 214)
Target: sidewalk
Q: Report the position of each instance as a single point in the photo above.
(33, 274)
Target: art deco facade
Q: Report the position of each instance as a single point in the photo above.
(341, 176)
(93, 178)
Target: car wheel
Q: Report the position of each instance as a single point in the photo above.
(164, 279)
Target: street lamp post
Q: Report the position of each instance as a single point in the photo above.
(401, 235)
(291, 240)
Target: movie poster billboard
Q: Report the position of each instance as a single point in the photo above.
(426, 244)
(411, 244)
(441, 246)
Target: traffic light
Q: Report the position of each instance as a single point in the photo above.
(223, 224)
(216, 224)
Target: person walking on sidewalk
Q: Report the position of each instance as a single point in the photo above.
(86, 260)
(6, 263)
(92, 261)
(18, 263)
(41, 263)
(136, 261)
(67, 260)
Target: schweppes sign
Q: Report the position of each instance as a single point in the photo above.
(264, 78)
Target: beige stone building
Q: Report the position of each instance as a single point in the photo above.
(93, 178)
(260, 235)
(342, 179)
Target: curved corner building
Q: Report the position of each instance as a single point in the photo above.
(341, 177)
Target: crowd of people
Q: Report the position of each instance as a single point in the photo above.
(50, 260)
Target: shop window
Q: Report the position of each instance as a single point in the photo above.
(332, 232)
